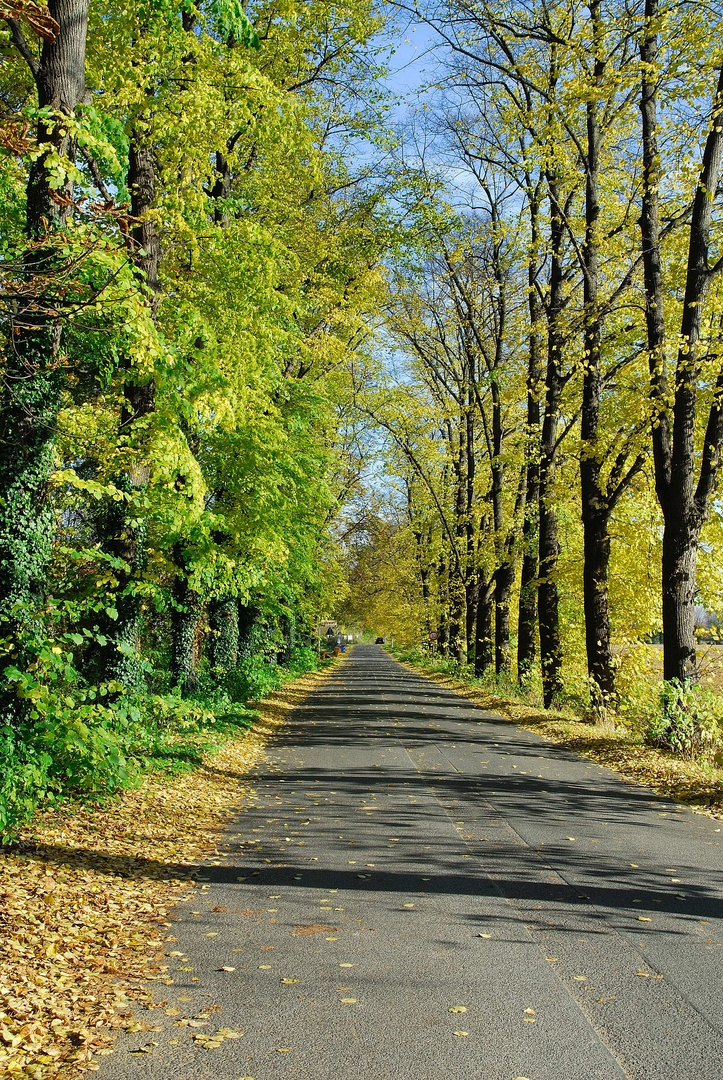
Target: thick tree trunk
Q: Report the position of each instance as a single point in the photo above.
(33, 372)
(456, 619)
(595, 504)
(597, 621)
(483, 652)
(504, 580)
(680, 549)
(247, 630)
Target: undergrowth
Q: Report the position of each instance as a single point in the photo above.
(77, 739)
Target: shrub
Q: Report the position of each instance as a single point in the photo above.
(687, 720)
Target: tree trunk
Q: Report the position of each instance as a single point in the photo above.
(504, 580)
(483, 657)
(527, 611)
(597, 622)
(247, 630)
(594, 501)
(680, 549)
(33, 373)
(549, 548)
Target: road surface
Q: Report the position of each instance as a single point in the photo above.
(422, 890)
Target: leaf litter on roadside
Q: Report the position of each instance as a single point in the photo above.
(85, 896)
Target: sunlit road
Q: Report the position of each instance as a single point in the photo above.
(409, 855)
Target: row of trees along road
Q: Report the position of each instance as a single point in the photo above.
(187, 260)
(554, 335)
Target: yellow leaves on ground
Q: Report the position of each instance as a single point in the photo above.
(311, 928)
(212, 1042)
(84, 900)
(458, 1009)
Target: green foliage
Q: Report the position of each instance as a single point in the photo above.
(688, 720)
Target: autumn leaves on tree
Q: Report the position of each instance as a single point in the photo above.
(231, 289)
(555, 334)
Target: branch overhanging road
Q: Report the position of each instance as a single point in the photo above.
(408, 854)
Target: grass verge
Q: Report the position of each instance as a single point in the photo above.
(85, 895)
(696, 783)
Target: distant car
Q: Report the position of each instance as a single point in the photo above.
(379, 641)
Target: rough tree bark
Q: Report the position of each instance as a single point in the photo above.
(527, 611)
(549, 547)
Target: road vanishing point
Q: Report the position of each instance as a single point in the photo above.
(421, 890)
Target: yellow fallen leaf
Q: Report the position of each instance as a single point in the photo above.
(644, 918)
(485, 935)
(461, 1033)
(348, 1001)
(283, 1050)
(290, 980)
(530, 1012)
(570, 838)
(264, 967)
(552, 959)
(225, 968)
(458, 1009)
(347, 965)
(528, 1019)
(580, 978)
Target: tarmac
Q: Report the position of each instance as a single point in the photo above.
(420, 889)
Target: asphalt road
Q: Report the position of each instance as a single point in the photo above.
(409, 855)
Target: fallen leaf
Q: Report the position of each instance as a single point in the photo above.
(580, 978)
(644, 918)
(601, 1001)
(311, 928)
(224, 968)
(458, 1009)
(485, 935)
(290, 980)
(570, 838)
(530, 1012)
(348, 1001)
(461, 1033)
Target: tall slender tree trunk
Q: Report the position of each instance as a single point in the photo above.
(33, 375)
(549, 547)
(527, 611)
(595, 513)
